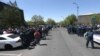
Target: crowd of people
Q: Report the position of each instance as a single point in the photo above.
(30, 36)
(84, 30)
(80, 29)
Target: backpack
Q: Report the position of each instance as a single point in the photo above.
(90, 35)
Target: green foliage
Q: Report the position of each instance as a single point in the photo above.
(62, 23)
(1, 7)
(30, 23)
(95, 19)
(71, 19)
(11, 16)
(50, 22)
(37, 20)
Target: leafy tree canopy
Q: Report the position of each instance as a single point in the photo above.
(37, 20)
(51, 22)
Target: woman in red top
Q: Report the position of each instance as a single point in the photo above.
(37, 36)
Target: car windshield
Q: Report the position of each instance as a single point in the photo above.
(13, 36)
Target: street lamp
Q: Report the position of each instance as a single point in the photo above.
(77, 6)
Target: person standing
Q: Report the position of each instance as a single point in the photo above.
(37, 36)
(90, 38)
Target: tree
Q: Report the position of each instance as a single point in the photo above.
(62, 23)
(95, 19)
(30, 23)
(71, 19)
(1, 7)
(51, 22)
(11, 16)
(37, 20)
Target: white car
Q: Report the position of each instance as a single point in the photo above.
(9, 41)
(96, 36)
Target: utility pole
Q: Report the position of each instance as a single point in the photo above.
(77, 7)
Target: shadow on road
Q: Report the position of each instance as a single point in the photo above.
(96, 48)
(43, 44)
(48, 38)
(33, 47)
(14, 49)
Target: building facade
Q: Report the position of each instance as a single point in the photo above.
(89, 19)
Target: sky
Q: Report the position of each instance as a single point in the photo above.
(56, 9)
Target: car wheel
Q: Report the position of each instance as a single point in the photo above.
(8, 46)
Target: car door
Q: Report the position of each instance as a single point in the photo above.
(96, 36)
(2, 42)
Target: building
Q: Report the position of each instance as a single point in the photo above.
(88, 19)
(11, 16)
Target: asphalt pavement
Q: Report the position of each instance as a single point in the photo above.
(58, 43)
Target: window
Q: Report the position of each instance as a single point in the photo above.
(13, 36)
(1, 38)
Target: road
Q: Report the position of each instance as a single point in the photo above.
(58, 43)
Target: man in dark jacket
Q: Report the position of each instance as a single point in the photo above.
(89, 38)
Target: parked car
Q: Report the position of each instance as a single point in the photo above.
(96, 36)
(9, 41)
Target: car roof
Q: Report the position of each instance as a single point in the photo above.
(5, 35)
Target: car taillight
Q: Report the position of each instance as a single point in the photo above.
(18, 41)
